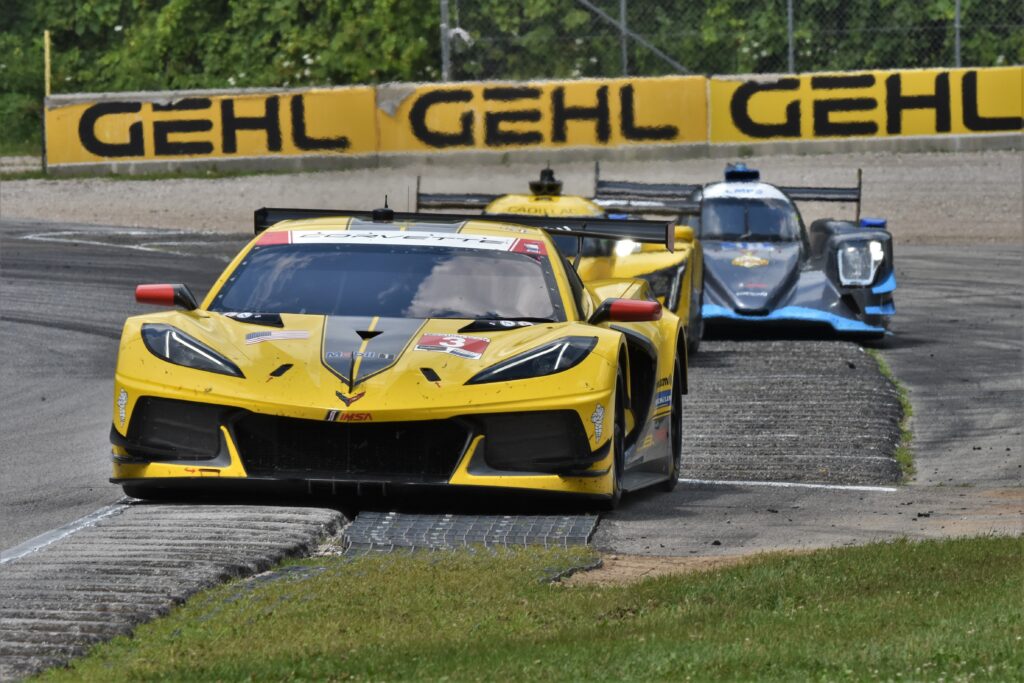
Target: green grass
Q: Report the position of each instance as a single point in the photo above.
(903, 454)
(25, 175)
(20, 148)
(949, 610)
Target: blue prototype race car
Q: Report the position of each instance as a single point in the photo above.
(762, 265)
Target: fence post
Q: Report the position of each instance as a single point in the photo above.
(791, 61)
(623, 38)
(46, 62)
(446, 52)
(956, 34)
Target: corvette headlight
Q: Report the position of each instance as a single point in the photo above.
(548, 359)
(665, 283)
(859, 262)
(174, 346)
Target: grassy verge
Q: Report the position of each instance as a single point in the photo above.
(19, 148)
(946, 610)
(903, 454)
(24, 175)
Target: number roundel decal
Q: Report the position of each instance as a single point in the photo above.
(460, 345)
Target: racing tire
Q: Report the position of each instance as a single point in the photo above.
(618, 446)
(675, 430)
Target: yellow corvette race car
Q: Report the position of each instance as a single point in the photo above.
(381, 350)
(676, 277)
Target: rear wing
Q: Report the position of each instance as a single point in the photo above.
(675, 198)
(625, 196)
(649, 232)
(440, 200)
(850, 195)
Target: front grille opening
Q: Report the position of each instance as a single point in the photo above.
(422, 451)
(851, 303)
(544, 441)
(167, 429)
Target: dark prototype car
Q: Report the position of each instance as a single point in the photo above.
(763, 266)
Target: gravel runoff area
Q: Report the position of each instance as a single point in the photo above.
(929, 198)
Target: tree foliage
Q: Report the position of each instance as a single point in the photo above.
(119, 45)
(555, 38)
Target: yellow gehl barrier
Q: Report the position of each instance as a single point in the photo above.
(601, 113)
(207, 125)
(866, 104)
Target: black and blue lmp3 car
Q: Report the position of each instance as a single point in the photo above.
(763, 266)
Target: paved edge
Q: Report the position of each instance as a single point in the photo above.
(54, 535)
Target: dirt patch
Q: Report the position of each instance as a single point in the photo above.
(990, 512)
(617, 570)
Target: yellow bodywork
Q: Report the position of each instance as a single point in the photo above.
(401, 392)
(642, 260)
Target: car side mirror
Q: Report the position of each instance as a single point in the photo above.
(684, 233)
(626, 311)
(166, 295)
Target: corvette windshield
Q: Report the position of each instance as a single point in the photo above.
(756, 220)
(392, 281)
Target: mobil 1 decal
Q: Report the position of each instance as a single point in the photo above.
(358, 347)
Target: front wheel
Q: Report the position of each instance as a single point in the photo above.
(618, 446)
(675, 429)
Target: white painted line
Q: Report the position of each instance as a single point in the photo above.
(791, 485)
(42, 540)
(70, 237)
(59, 237)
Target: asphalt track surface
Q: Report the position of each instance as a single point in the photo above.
(64, 300)
(66, 290)
(957, 347)
(766, 411)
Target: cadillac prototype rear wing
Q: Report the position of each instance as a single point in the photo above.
(663, 199)
(626, 196)
(438, 200)
(650, 232)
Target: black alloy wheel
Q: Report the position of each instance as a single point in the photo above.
(618, 446)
